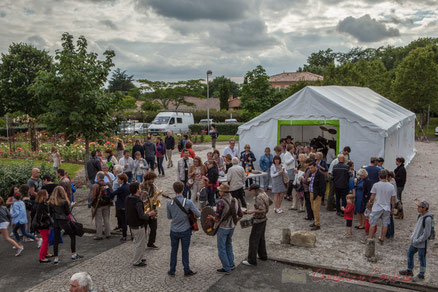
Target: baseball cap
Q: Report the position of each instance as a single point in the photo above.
(423, 204)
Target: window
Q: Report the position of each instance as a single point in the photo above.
(179, 120)
(172, 121)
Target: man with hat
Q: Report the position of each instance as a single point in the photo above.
(419, 238)
(228, 212)
(257, 244)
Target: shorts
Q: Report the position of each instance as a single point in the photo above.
(4, 225)
(349, 223)
(376, 215)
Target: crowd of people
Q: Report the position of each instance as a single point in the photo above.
(297, 173)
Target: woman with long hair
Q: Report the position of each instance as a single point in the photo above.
(42, 222)
(120, 148)
(196, 171)
(161, 152)
(59, 207)
(278, 187)
(5, 217)
(140, 167)
(55, 158)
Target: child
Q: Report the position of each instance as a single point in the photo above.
(5, 217)
(348, 214)
(19, 218)
(203, 193)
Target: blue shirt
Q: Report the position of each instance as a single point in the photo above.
(19, 215)
(266, 162)
(373, 173)
(180, 221)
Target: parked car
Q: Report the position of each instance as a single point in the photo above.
(436, 131)
(205, 121)
(177, 122)
(230, 121)
(138, 129)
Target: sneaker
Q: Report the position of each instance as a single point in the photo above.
(123, 239)
(418, 278)
(171, 274)
(246, 263)
(13, 247)
(233, 267)
(140, 264)
(56, 261)
(76, 257)
(98, 238)
(222, 271)
(153, 246)
(40, 242)
(315, 228)
(28, 240)
(406, 273)
(143, 260)
(189, 274)
(19, 251)
(280, 211)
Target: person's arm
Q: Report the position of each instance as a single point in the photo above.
(9, 201)
(373, 196)
(273, 173)
(66, 207)
(140, 212)
(169, 213)
(288, 159)
(426, 233)
(194, 209)
(393, 204)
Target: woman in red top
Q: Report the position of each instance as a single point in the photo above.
(188, 146)
(348, 214)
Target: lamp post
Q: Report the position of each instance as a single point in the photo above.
(208, 105)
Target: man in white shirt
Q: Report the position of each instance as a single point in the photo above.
(128, 164)
(382, 195)
(183, 172)
(231, 149)
(109, 177)
(289, 162)
(236, 179)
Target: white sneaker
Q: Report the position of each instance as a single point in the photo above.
(13, 247)
(40, 241)
(19, 251)
(246, 263)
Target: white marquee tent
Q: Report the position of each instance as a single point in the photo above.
(364, 120)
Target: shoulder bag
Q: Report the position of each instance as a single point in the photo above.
(190, 215)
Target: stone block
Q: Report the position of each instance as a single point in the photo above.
(285, 236)
(303, 238)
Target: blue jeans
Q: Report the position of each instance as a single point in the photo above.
(175, 238)
(160, 165)
(187, 191)
(89, 193)
(211, 191)
(22, 227)
(139, 178)
(421, 257)
(225, 248)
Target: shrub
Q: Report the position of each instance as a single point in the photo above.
(222, 128)
(18, 174)
(3, 131)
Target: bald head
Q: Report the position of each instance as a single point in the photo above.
(341, 158)
(35, 172)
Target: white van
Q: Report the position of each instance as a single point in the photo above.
(177, 122)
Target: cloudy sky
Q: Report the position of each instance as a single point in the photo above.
(182, 39)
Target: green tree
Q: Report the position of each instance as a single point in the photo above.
(128, 102)
(222, 87)
(167, 93)
(317, 62)
(416, 82)
(149, 105)
(120, 81)
(78, 104)
(18, 70)
(257, 95)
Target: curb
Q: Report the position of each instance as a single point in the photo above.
(349, 275)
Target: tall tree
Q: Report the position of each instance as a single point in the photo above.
(257, 95)
(317, 62)
(79, 105)
(120, 81)
(167, 93)
(222, 88)
(18, 70)
(416, 83)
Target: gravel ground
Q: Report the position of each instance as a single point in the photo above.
(112, 271)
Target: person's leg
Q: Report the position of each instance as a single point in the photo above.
(24, 232)
(241, 197)
(263, 255)
(161, 165)
(422, 260)
(338, 200)
(344, 198)
(185, 244)
(174, 243)
(280, 199)
(399, 193)
(98, 222)
(411, 252)
(153, 225)
(44, 250)
(294, 198)
(308, 206)
(316, 210)
(289, 191)
(229, 247)
(106, 222)
(254, 241)
(15, 231)
(57, 231)
(121, 215)
(221, 249)
(211, 199)
(139, 178)
(331, 205)
(189, 192)
(5, 235)
(139, 243)
(89, 193)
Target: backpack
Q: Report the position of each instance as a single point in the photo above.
(105, 198)
(432, 230)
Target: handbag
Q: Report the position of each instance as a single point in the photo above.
(76, 227)
(285, 178)
(190, 215)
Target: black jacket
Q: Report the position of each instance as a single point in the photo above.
(341, 176)
(60, 212)
(122, 192)
(319, 184)
(213, 175)
(170, 142)
(400, 176)
(40, 216)
(137, 148)
(93, 166)
(135, 215)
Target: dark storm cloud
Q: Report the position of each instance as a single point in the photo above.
(190, 10)
(108, 23)
(365, 29)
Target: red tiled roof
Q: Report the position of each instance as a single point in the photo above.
(295, 77)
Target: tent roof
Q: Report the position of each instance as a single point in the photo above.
(355, 104)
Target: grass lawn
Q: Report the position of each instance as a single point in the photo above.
(71, 168)
(433, 123)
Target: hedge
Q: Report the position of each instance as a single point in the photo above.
(3, 131)
(222, 128)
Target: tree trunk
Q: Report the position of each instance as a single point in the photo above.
(33, 134)
(423, 118)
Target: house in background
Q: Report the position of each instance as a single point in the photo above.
(198, 104)
(234, 103)
(286, 79)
